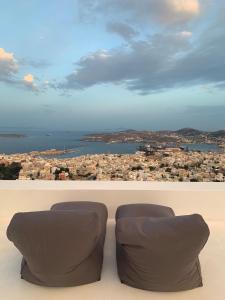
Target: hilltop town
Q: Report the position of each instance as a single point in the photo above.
(171, 164)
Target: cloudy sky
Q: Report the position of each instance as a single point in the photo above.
(108, 64)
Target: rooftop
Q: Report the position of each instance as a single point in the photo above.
(207, 199)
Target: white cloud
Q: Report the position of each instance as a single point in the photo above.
(162, 61)
(142, 61)
(191, 7)
(29, 82)
(8, 65)
(9, 73)
(139, 11)
(29, 78)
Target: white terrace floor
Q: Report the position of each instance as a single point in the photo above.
(207, 199)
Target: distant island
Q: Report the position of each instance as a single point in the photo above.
(12, 135)
(163, 137)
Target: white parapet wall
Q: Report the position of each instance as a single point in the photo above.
(207, 199)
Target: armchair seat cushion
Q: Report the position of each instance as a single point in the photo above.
(160, 253)
(59, 247)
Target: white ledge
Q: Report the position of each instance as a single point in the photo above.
(111, 185)
(207, 199)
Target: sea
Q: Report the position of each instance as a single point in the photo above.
(39, 140)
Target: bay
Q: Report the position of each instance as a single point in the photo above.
(37, 140)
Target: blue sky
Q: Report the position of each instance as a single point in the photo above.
(94, 65)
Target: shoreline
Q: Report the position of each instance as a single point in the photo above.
(59, 152)
(51, 152)
(70, 144)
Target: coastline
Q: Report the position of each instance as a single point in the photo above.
(77, 143)
(51, 152)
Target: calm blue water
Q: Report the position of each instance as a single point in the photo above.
(42, 140)
(39, 140)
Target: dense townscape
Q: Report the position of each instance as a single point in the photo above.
(171, 164)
